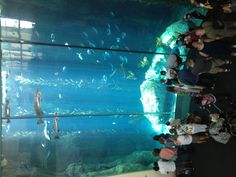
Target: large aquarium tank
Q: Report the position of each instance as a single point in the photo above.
(92, 69)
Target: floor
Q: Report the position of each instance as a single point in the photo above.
(213, 159)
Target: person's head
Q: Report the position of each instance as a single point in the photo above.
(197, 45)
(172, 131)
(180, 42)
(187, 17)
(162, 140)
(156, 152)
(163, 73)
(197, 100)
(190, 62)
(156, 137)
(171, 89)
(195, 3)
(168, 123)
(162, 81)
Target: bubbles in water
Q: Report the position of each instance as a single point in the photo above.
(113, 123)
(66, 44)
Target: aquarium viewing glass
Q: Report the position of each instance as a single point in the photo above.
(94, 63)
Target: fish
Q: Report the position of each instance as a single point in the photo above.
(46, 132)
(91, 44)
(135, 120)
(123, 35)
(144, 62)
(108, 31)
(81, 44)
(106, 55)
(104, 78)
(37, 106)
(36, 33)
(123, 59)
(85, 34)
(114, 47)
(112, 14)
(117, 28)
(89, 52)
(126, 47)
(80, 83)
(56, 128)
(63, 68)
(131, 76)
(118, 39)
(79, 55)
(7, 111)
(122, 70)
(52, 37)
(95, 30)
(102, 43)
(113, 73)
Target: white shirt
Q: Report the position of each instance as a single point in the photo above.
(166, 166)
(184, 139)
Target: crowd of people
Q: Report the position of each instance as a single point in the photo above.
(211, 46)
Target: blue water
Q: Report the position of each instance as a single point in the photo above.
(81, 81)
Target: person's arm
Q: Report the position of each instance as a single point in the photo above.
(196, 14)
(203, 54)
(208, 39)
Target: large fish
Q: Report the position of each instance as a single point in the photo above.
(56, 128)
(46, 132)
(37, 106)
(7, 111)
